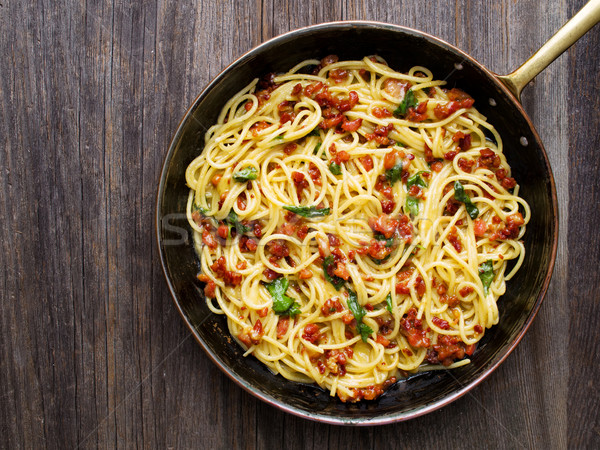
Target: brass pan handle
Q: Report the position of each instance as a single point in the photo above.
(570, 32)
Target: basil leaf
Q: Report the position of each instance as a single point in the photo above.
(416, 179)
(412, 205)
(355, 308)
(486, 274)
(358, 312)
(461, 196)
(308, 211)
(234, 222)
(314, 132)
(278, 287)
(317, 147)
(294, 310)
(335, 169)
(409, 101)
(335, 280)
(472, 210)
(395, 173)
(282, 304)
(388, 302)
(249, 173)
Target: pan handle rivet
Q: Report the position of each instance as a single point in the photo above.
(524, 141)
(492, 102)
(458, 66)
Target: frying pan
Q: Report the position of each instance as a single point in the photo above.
(497, 97)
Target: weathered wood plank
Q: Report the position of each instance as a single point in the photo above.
(583, 190)
(92, 351)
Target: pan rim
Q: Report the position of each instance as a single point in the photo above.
(265, 396)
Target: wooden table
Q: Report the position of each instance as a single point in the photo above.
(92, 350)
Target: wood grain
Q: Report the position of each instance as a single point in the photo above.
(92, 351)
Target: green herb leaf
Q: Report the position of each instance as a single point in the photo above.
(314, 132)
(282, 304)
(200, 209)
(382, 260)
(317, 147)
(335, 169)
(486, 274)
(413, 205)
(336, 281)
(308, 211)
(278, 287)
(409, 101)
(472, 210)
(388, 302)
(416, 179)
(234, 222)
(395, 173)
(388, 241)
(461, 196)
(249, 173)
(294, 310)
(355, 308)
(358, 312)
(364, 330)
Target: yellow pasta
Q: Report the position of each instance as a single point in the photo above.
(354, 223)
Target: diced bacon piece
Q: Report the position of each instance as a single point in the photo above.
(331, 306)
(305, 274)
(367, 162)
(256, 333)
(384, 224)
(209, 240)
(479, 227)
(282, 326)
(311, 333)
(351, 125)
(396, 88)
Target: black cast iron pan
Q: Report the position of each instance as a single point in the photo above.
(496, 97)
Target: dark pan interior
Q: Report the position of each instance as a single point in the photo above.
(402, 48)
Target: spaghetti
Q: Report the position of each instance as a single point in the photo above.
(354, 224)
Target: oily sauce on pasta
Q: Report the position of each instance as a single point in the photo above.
(354, 223)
